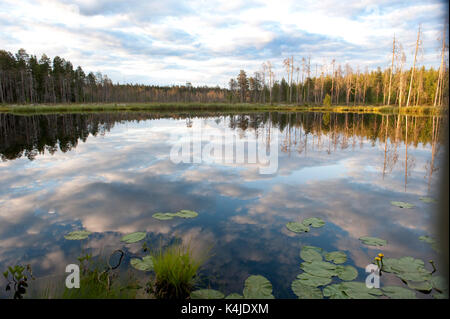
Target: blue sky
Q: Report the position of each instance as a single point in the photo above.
(208, 42)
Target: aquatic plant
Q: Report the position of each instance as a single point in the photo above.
(77, 235)
(373, 241)
(175, 272)
(133, 237)
(184, 213)
(17, 278)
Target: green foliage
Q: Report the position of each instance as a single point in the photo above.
(133, 237)
(77, 235)
(257, 287)
(327, 100)
(18, 278)
(175, 272)
(373, 241)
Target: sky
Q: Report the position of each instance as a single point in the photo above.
(208, 42)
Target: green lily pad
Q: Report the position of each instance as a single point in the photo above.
(427, 239)
(319, 268)
(346, 273)
(402, 204)
(313, 222)
(335, 292)
(163, 216)
(439, 283)
(133, 237)
(207, 294)
(311, 253)
(304, 291)
(257, 287)
(184, 213)
(77, 235)
(313, 281)
(234, 296)
(395, 292)
(297, 227)
(338, 257)
(420, 285)
(373, 241)
(407, 268)
(359, 290)
(428, 200)
(144, 264)
(440, 296)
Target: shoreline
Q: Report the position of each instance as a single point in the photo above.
(177, 107)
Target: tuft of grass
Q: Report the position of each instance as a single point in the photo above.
(175, 272)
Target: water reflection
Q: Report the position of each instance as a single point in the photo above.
(108, 173)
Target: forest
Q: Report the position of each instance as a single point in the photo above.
(26, 79)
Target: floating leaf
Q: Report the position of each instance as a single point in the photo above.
(338, 257)
(359, 290)
(319, 268)
(346, 272)
(440, 296)
(144, 264)
(207, 294)
(407, 268)
(395, 292)
(439, 283)
(305, 292)
(335, 292)
(77, 235)
(234, 296)
(311, 253)
(163, 216)
(373, 241)
(427, 200)
(133, 237)
(420, 285)
(313, 222)
(313, 281)
(297, 227)
(257, 287)
(186, 214)
(402, 204)
(427, 239)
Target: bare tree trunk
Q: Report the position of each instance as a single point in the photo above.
(391, 71)
(414, 67)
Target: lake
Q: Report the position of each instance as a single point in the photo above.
(109, 173)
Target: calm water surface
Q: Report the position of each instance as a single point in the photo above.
(109, 173)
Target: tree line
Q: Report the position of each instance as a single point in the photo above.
(26, 79)
(337, 84)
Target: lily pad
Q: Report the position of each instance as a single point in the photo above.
(313, 281)
(373, 241)
(77, 235)
(335, 292)
(338, 257)
(407, 268)
(311, 253)
(133, 237)
(346, 273)
(428, 200)
(427, 239)
(163, 216)
(304, 291)
(439, 283)
(234, 296)
(395, 292)
(186, 213)
(257, 287)
(402, 204)
(207, 294)
(144, 264)
(319, 268)
(358, 290)
(420, 285)
(297, 227)
(313, 222)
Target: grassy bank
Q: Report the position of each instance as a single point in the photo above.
(52, 108)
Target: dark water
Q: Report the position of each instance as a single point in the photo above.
(109, 173)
